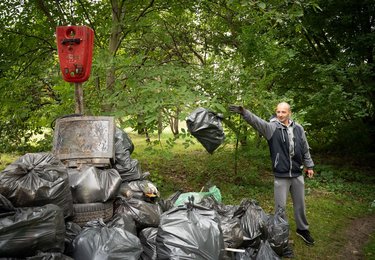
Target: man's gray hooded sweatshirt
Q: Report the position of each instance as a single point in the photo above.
(288, 145)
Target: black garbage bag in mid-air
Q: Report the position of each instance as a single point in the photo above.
(206, 126)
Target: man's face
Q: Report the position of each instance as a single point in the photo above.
(283, 113)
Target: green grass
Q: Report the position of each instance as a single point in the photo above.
(329, 217)
(7, 158)
(370, 248)
(334, 197)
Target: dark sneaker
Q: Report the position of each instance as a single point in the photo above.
(305, 235)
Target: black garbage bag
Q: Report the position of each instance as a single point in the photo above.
(71, 231)
(265, 252)
(249, 254)
(232, 231)
(145, 214)
(49, 256)
(129, 168)
(90, 184)
(37, 179)
(229, 223)
(190, 232)
(253, 223)
(124, 221)
(168, 203)
(5, 206)
(206, 126)
(98, 241)
(148, 240)
(140, 189)
(122, 143)
(278, 232)
(32, 229)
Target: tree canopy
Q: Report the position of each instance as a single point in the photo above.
(156, 61)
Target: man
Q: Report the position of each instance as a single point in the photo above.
(289, 154)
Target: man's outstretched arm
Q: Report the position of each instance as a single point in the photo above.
(263, 127)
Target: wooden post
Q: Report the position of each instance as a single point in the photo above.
(79, 98)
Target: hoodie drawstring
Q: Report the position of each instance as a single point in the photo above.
(282, 133)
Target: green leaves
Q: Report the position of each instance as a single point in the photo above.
(159, 61)
(262, 5)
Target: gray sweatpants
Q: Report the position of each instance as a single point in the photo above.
(296, 186)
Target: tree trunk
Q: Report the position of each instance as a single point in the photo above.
(160, 124)
(118, 14)
(174, 122)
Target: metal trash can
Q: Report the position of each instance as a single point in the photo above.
(84, 140)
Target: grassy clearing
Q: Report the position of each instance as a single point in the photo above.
(370, 248)
(7, 158)
(336, 196)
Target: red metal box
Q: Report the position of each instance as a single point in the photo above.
(75, 47)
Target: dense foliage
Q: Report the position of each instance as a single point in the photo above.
(155, 61)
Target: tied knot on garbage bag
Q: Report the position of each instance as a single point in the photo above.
(190, 231)
(206, 126)
(37, 179)
(104, 241)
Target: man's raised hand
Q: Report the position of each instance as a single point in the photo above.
(236, 109)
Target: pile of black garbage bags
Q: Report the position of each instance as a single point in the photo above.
(37, 216)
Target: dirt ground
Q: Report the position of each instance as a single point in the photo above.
(359, 233)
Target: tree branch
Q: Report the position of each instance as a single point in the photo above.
(44, 40)
(46, 12)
